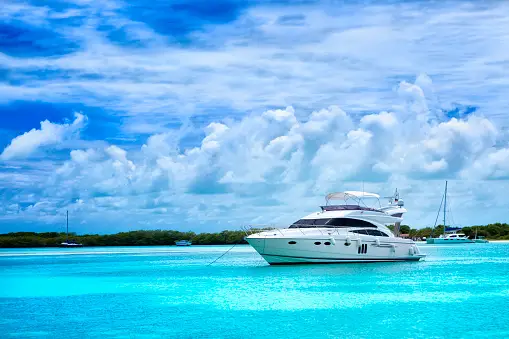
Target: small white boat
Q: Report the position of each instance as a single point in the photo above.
(183, 243)
(339, 234)
(70, 244)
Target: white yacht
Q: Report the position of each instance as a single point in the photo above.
(339, 234)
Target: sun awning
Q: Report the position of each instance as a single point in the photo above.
(351, 194)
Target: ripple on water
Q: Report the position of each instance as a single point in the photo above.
(173, 292)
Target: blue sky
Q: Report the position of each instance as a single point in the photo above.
(191, 116)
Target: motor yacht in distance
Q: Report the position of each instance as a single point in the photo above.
(339, 234)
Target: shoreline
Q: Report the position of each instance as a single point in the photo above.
(490, 240)
(167, 238)
(102, 246)
(174, 246)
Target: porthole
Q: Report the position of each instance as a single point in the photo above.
(292, 242)
(326, 243)
(318, 243)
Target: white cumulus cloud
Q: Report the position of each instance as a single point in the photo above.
(276, 165)
(263, 158)
(50, 134)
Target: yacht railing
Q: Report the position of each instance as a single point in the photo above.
(252, 229)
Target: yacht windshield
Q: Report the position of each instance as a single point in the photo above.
(331, 223)
(348, 208)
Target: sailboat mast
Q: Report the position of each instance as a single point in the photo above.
(445, 203)
(67, 232)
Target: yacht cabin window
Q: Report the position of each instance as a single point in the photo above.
(377, 233)
(371, 232)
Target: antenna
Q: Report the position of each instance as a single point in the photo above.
(394, 197)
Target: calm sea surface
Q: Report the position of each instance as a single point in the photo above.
(459, 291)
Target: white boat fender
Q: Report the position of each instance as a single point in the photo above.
(411, 250)
(377, 242)
(333, 241)
(348, 241)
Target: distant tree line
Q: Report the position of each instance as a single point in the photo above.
(162, 237)
(133, 238)
(497, 231)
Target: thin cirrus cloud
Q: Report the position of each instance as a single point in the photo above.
(198, 95)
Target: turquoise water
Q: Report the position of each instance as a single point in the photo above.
(145, 292)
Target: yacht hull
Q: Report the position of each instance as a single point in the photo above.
(286, 260)
(281, 251)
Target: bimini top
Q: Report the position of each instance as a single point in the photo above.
(348, 208)
(356, 195)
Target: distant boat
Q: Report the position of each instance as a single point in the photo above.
(183, 243)
(479, 239)
(68, 243)
(453, 237)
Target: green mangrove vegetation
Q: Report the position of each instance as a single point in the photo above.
(168, 237)
(496, 231)
(133, 238)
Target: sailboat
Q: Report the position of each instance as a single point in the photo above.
(68, 243)
(452, 237)
(480, 238)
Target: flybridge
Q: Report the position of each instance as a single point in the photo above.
(355, 195)
(394, 209)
